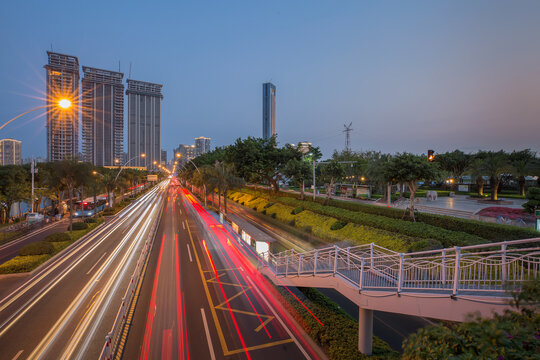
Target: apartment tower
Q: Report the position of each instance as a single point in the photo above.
(269, 110)
(10, 152)
(202, 145)
(144, 123)
(102, 116)
(62, 124)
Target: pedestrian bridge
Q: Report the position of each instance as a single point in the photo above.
(445, 284)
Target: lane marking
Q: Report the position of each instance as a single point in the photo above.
(17, 355)
(184, 225)
(97, 262)
(208, 339)
(189, 253)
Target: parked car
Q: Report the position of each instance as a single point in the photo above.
(34, 217)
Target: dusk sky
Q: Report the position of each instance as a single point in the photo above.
(409, 75)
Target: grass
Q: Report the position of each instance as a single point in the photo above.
(20, 264)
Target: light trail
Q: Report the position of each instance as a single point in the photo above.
(179, 312)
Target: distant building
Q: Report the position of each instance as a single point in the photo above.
(187, 152)
(202, 145)
(10, 152)
(102, 116)
(164, 156)
(304, 147)
(144, 123)
(269, 110)
(62, 124)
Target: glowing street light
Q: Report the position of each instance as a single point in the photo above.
(178, 155)
(64, 103)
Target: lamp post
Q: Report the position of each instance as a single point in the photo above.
(62, 103)
(143, 155)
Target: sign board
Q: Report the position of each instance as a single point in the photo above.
(537, 213)
(235, 227)
(463, 188)
(363, 192)
(151, 178)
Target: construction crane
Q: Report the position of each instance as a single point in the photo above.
(347, 132)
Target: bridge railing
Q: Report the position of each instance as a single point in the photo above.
(493, 267)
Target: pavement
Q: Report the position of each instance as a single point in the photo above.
(65, 308)
(202, 299)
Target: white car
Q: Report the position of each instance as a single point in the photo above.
(34, 217)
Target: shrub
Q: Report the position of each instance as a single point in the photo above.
(22, 264)
(57, 237)
(37, 248)
(80, 226)
(89, 220)
(268, 204)
(264, 211)
(338, 225)
(297, 210)
(273, 215)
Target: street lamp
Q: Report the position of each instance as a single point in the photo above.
(143, 155)
(62, 104)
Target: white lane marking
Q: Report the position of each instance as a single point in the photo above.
(210, 346)
(17, 355)
(180, 211)
(189, 253)
(279, 319)
(97, 262)
(184, 225)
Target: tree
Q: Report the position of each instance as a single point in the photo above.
(259, 160)
(299, 171)
(375, 171)
(455, 162)
(476, 171)
(407, 169)
(512, 335)
(494, 165)
(533, 197)
(522, 162)
(224, 179)
(14, 186)
(109, 183)
(71, 174)
(330, 173)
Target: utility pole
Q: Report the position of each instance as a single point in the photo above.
(314, 187)
(347, 132)
(32, 171)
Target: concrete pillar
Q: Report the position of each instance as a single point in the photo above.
(365, 331)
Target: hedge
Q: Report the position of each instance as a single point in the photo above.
(57, 237)
(79, 226)
(488, 231)
(37, 248)
(22, 264)
(339, 335)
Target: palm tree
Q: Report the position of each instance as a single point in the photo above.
(109, 183)
(495, 163)
(521, 162)
(224, 180)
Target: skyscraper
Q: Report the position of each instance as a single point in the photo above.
(144, 127)
(187, 152)
(102, 116)
(10, 152)
(62, 124)
(269, 110)
(202, 145)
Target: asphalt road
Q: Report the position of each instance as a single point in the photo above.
(201, 298)
(65, 309)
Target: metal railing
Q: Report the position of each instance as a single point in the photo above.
(111, 340)
(482, 269)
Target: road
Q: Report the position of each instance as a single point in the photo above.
(11, 249)
(66, 308)
(202, 298)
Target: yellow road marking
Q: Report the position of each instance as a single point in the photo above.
(258, 347)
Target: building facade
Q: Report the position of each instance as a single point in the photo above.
(202, 145)
(144, 123)
(10, 152)
(62, 124)
(269, 110)
(187, 152)
(102, 116)
(163, 156)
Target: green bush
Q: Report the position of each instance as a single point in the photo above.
(273, 215)
(338, 225)
(37, 248)
(79, 226)
(90, 220)
(297, 210)
(339, 335)
(57, 237)
(268, 204)
(513, 335)
(22, 263)
(533, 197)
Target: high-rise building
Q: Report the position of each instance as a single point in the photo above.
(62, 124)
(187, 152)
(163, 156)
(269, 110)
(10, 152)
(202, 145)
(144, 123)
(102, 116)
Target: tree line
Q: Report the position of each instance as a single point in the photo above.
(262, 161)
(62, 181)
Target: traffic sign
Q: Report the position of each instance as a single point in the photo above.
(537, 213)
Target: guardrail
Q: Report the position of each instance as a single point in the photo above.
(495, 267)
(111, 340)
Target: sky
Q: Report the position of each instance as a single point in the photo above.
(409, 75)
